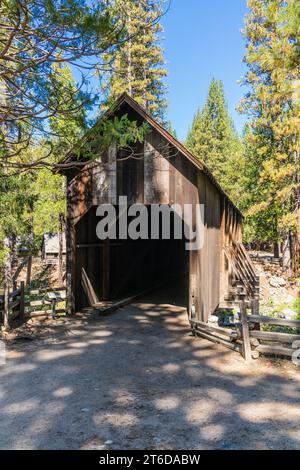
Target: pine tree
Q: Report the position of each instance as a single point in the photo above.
(137, 66)
(272, 57)
(68, 127)
(171, 130)
(214, 140)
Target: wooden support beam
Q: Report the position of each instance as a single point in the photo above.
(273, 321)
(217, 339)
(88, 288)
(102, 244)
(245, 332)
(277, 350)
(273, 336)
(106, 270)
(127, 300)
(70, 259)
(43, 313)
(216, 329)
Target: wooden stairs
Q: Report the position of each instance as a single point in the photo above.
(243, 281)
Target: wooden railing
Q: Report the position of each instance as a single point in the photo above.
(243, 269)
(22, 304)
(12, 304)
(247, 338)
(41, 299)
(275, 342)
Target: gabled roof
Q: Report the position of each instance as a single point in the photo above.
(126, 99)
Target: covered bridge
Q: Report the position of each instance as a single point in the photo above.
(158, 171)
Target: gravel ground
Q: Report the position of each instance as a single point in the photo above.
(137, 379)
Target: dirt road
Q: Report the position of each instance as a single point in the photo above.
(138, 380)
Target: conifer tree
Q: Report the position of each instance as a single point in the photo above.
(171, 130)
(214, 140)
(137, 65)
(272, 57)
(67, 127)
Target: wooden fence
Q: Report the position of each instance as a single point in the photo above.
(247, 337)
(25, 303)
(271, 342)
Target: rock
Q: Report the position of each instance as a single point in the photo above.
(290, 299)
(228, 320)
(281, 315)
(289, 314)
(213, 319)
(276, 281)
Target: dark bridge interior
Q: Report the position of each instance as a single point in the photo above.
(117, 268)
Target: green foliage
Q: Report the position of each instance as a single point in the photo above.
(214, 140)
(30, 204)
(67, 126)
(49, 203)
(296, 307)
(272, 141)
(171, 130)
(37, 38)
(120, 131)
(137, 65)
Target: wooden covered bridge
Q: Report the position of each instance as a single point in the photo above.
(159, 171)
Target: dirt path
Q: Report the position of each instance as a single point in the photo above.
(138, 379)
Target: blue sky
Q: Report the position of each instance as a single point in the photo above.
(202, 40)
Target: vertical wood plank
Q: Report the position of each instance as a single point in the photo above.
(112, 174)
(106, 269)
(172, 176)
(245, 333)
(70, 259)
(149, 189)
(156, 171)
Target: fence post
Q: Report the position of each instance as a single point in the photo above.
(255, 311)
(22, 301)
(245, 333)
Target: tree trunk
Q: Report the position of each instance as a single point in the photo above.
(30, 239)
(60, 249)
(7, 279)
(6, 304)
(276, 248)
(286, 254)
(29, 266)
(295, 259)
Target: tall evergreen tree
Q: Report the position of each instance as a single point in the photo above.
(68, 126)
(31, 202)
(36, 36)
(137, 65)
(214, 140)
(272, 57)
(171, 130)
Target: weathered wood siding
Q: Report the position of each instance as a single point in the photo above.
(157, 174)
(231, 232)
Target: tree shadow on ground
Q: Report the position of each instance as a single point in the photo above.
(139, 379)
